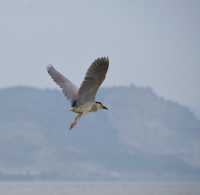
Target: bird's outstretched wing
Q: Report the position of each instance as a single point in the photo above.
(93, 79)
(69, 89)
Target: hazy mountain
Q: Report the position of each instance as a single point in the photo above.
(142, 136)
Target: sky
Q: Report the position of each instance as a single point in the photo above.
(151, 43)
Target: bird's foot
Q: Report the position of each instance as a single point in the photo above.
(75, 121)
(72, 126)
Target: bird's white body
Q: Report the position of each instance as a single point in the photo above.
(87, 107)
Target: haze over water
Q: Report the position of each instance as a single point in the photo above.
(93, 188)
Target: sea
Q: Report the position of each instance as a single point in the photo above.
(100, 188)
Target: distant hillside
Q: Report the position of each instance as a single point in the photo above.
(142, 137)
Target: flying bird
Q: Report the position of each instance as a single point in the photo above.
(83, 99)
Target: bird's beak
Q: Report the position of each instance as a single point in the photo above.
(105, 108)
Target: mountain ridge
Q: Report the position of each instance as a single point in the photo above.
(141, 136)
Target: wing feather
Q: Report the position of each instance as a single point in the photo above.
(93, 79)
(68, 88)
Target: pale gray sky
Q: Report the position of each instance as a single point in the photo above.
(150, 43)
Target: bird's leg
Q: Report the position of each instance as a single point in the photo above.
(78, 116)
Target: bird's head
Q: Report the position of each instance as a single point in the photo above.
(101, 106)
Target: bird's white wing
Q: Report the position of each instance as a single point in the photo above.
(69, 89)
(93, 79)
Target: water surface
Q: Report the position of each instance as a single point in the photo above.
(99, 188)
